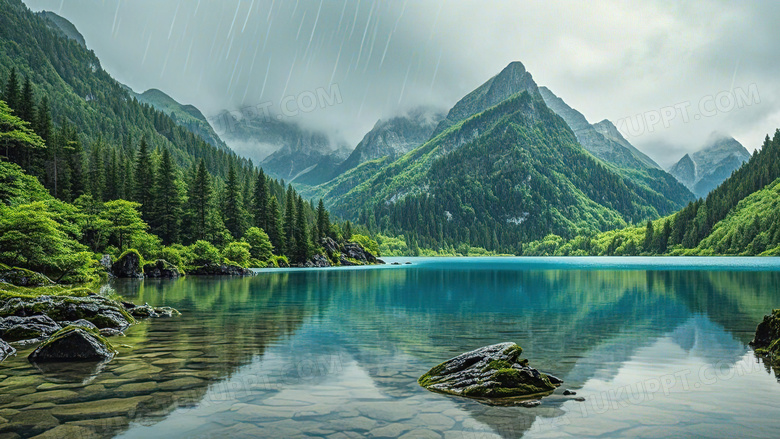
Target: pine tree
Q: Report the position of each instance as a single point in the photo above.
(167, 202)
(11, 92)
(275, 229)
(348, 231)
(323, 222)
(112, 177)
(200, 200)
(301, 252)
(260, 201)
(144, 180)
(26, 105)
(97, 176)
(232, 210)
(289, 221)
(649, 235)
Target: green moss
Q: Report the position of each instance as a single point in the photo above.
(497, 364)
(131, 251)
(68, 329)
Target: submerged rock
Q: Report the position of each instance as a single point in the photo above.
(767, 335)
(128, 266)
(6, 350)
(161, 269)
(147, 311)
(15, 328)
(73, 344)
(489, 372)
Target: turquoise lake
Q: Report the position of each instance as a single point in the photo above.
(658, 347)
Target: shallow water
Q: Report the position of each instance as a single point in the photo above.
(657, 346)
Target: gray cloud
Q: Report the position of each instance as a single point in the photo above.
(607, 59)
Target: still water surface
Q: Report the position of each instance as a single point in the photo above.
(657, 346)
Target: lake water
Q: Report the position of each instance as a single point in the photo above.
(656, 346)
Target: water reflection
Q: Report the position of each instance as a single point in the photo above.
(296, 353)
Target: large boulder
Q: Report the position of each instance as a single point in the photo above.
(128, 266)
(356, 252)
(765, 342)
(6, 350)
(319, 261)
(16, 328)
(221, 270)
(98, 310)
(73, 344)
(161, 269)
(494, 371)
(22, 277)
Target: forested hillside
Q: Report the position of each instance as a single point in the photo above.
(119, 174)
(739, 217)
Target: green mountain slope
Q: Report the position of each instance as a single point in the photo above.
(505, 176)
(86, 96)
(739, 217)
(187, 116)
(605, 142)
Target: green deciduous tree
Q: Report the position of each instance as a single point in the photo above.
(125, 221)
(261, 247)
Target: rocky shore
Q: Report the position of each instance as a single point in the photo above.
(71, 324)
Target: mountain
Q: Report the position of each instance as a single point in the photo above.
(511, 80)
(187, 116)
(741, 216)
(605, 142)
(65, 27)
(282, 148)
(394, 137)
(507, 175)
(710, 166)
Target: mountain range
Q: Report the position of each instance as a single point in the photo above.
(704, 170)
(509, 163)
(503, 167)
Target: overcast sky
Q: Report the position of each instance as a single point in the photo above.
(713, 64)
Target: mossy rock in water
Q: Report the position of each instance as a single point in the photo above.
(74, 343)
(16, 328)
(494, 371)
(22, 277)
(161, 269)
(129, 265)
(767, 339)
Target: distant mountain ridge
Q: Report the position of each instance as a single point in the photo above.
(282, 148)
(707, 168)
(394, 137)
(64, 26)
(188, 116)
